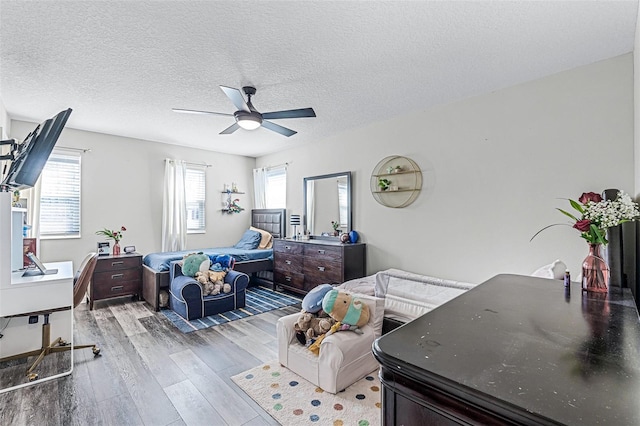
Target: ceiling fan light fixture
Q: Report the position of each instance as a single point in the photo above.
(248, 120)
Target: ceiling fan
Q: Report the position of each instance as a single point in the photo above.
(247, 117)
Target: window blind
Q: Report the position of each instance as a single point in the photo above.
(60, 196)
(195, 191)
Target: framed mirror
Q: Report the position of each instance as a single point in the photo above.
(327, 205)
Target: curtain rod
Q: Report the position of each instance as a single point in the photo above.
(73, 149)
(190, 163)
(276, 165)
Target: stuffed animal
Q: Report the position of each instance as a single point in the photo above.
(222, 262)
(201, 277)
(195, 262)
(311, 326)
(208, 287)
(315, 346)
(345, 308)
(163, 299)
(217, 277)
(312, 301)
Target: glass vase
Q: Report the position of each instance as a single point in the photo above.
(595, 271)
(116, 248)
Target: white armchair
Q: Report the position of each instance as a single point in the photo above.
(345, 357)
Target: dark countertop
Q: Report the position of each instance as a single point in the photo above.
(518, 344)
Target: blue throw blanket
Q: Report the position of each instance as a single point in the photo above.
(160, 261)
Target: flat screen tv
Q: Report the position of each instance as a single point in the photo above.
(30, 156)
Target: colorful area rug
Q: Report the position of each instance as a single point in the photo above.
(291, 400)
(258, 300)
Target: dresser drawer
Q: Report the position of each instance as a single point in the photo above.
(319, 271)
(326, 253)
(288, 262)
(281, 246)
(291, 279)
(115, 289)
(108, 277)
(115, 263)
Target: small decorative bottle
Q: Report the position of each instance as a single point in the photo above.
(567, 286)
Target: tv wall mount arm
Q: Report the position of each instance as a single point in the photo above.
(13, 144)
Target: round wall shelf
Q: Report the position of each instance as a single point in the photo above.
(396, 181)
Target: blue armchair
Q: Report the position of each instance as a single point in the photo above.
(186, 298)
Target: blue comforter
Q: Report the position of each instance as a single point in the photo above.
(160, 261)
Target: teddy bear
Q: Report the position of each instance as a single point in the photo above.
(309, 326)
(217, 277)
(208, 287)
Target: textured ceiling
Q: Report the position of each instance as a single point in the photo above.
(122, 65)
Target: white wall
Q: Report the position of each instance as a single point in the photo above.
(495, 168)
(5, 123)
(122, 182)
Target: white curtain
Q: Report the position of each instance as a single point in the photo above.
(33, 209)
(174, 207)
(260, 188)
(311, 208)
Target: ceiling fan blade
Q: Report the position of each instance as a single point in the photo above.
(236, 97)
(278, 129)
(230, 129)
(194, 111)
(292, 113)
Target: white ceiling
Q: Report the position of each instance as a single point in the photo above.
(122, 65)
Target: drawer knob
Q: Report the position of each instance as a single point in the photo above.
(287, 247)
(320, 251)
(117, 276)
(288, 262)
(120, 262)
(321, 268)
(288, 279)
(117, 288)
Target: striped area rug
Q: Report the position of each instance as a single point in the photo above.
(258, 300)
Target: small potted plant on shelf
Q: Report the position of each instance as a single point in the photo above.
(383, 183)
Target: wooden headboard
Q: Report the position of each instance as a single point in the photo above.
(271, 220)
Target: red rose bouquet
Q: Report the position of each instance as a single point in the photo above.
(115, 235)
(596, 215)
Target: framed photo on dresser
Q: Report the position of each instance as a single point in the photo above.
(103, 248)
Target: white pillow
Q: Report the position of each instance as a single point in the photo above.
(554, 271)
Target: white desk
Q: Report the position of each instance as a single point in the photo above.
(39, 293)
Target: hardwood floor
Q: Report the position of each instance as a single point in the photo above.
(148, 373)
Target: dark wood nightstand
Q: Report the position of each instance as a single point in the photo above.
(116, 276)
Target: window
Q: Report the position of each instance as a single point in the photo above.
(194, 183)
(276, 187)
(60, 196)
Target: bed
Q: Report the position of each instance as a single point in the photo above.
(258, 264)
